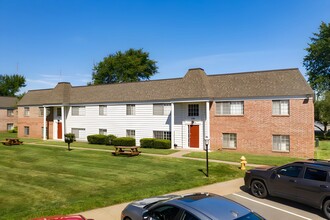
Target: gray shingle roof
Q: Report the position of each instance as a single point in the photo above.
(8, 102)
(194, 85)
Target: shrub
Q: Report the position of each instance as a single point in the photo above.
(69, 137)
(97, 139)
(124, 141)
(14, 130)
(109, 139)
(147, 142)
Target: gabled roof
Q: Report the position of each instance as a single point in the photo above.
(194, 85)
(8, 102)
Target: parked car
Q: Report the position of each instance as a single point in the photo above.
(306, 182)
(62, 217)
(198, 206)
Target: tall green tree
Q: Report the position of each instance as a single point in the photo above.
(129, 66)
(317, 60)
(322, 112)
(11, 84)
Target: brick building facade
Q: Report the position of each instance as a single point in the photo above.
(8, 113)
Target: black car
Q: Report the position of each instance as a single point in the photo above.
(307, 182)
(198, 206)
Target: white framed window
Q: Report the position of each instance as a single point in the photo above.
(230, 108)
(229, 140)
(162, 135)
(193, 110)
(78, 111)
(130, 109)
(10, 112)
(26, 111)
(102, 110)
(103, 131)
(280, 107)
(10, 126)
(130, 133)
(26, 130)
(161, 109)
(79, 132)
(41, 111)
(281, 143)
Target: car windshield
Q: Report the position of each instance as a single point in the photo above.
(250, 216)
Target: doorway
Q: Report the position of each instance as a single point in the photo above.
(59, 130)
(194, 136)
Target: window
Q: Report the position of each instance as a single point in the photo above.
(162, 135)
(193, 110)
(291, 171)
(187, 216)
(229, 140)
(281, 107)
(102, 110)
(41, 111)
(130, 109)
(10, 112)
(165, 212)
(26, 111)
(281, 143)
(59, 112)
(230, 108)
(78, 110)
(79, 132)
(26, 130)
(103, 131)
(10, 126)
(130, 133)
(315, 174)
(161, 109)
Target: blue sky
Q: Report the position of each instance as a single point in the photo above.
(49, 41)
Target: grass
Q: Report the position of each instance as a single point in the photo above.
(323, 151)
(41, 181)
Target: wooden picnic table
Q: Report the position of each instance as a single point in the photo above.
(126, 150)
(12, 141)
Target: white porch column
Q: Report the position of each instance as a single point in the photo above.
(63, 121)
(172, 125)
(44, 133)
(207, 133)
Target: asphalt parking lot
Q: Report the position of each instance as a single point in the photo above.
(276, 208)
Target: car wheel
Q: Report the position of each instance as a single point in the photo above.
(127, 218)
(258, 189)
(326, 209)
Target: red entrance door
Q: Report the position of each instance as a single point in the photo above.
(194, 136)
(59, 130)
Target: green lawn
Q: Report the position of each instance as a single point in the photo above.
(42, 181)
(323, 151)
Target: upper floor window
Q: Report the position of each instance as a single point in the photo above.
(78, 110)
(193, 110)
(102, 110)
(281, 107)
(130, 109)
(281, 142)
(130, 133)
(41, 111)
(229, 140)
(26, 111)
(230, 108)
(161, 109)
(10, 112)
(162, 135)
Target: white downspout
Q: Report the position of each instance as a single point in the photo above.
(172, 125)
(63, 121)
(45, 127)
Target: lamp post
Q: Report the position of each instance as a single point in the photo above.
(207, 141)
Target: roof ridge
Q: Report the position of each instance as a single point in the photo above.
(249, 72)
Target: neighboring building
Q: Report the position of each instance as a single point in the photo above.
(8, 113)
(264, 112)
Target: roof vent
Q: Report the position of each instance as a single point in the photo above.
(198, 68)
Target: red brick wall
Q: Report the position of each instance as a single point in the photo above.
(35, 122)
(255, 129)
(4, 119)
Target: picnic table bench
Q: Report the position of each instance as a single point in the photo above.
(126, 150)
(12, 141)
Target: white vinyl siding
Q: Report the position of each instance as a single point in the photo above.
(162, 135)
(281, 143)
(281, 107)
(230, 108)
(130, 133)
(130, 109)
(161, 109)
(78, 111)
(229, 140)
(80, 133)
(102, 110)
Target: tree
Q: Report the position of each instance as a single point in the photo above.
(317, 61)
(322, 113)
(11, 84)
(129, 66)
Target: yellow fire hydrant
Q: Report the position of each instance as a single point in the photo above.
(243, 163)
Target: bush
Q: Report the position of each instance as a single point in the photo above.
(97, 139)
(124, 141)
(109, 139)
(69, 137)
(155, 143)
(14, 130)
